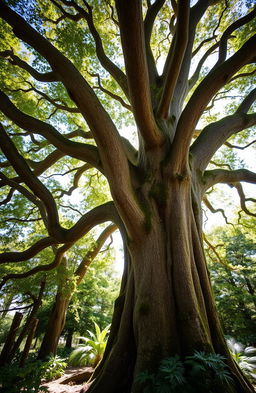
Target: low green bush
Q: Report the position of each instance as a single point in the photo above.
(54, 368)
(91, 353)
(27, 379)
(202, 372)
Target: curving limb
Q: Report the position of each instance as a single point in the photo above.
(213, 210)
(24, 191)
(59, 254)
(82, 94)
(41, 268)
(87, 14)
(74, 149)
(57, 103)
(240, 147)
(243, 199)
(210, 85)
(19, 256)
(227, 34)
(79, 172)
(133, 42)
(214, 176)
(194, 78)
(98, 215)
(23, 170)
(110, 147)
(109, 93)
(217, 255)
(216, 134)
(175, 61)
(152, 12)
(16, 61)
(93, 252)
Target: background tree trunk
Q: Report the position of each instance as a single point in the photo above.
(24, 356)
(55, 326)
(27, 325)
(10, 338)
(69, 338)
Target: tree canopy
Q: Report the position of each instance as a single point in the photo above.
(130, 113)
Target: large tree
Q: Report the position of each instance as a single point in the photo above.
(79, 72)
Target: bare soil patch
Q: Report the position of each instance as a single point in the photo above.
(71, 381)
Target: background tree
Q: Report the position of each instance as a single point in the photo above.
(68, 282)
(74, 74)
(232, 269)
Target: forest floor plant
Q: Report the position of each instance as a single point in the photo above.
(30, 378)
(198, 373)
(92, 352)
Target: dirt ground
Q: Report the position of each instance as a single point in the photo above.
(59, 386)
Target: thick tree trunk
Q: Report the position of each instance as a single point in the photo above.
(166, 307)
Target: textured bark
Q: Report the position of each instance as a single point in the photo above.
(33, 326)
(166, 306)
(55, 325)
(27, 325)
(10, 338)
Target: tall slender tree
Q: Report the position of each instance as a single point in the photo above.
(79, 72)
(64, 294)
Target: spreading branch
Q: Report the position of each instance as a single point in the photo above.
(55, 102)
(240, 147)
(150, 17)
(175, 61)
(91, 254)
(243, 199)
(19, 256)
(216, 134)
(98, 215)
(41, 268)
(214, 176)
(105, 61)
(100, 123)
(213, 210)
(41, 77)
(211, 84)
(194, 78)
(219, 258)
(79, 172)
(77, 150)
(23, 170)
(109, 93)
(227, 34)
(133, 42)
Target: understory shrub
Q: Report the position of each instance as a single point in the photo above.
(91, 353)
(202, 372)
(54, 368)
(27, 379)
